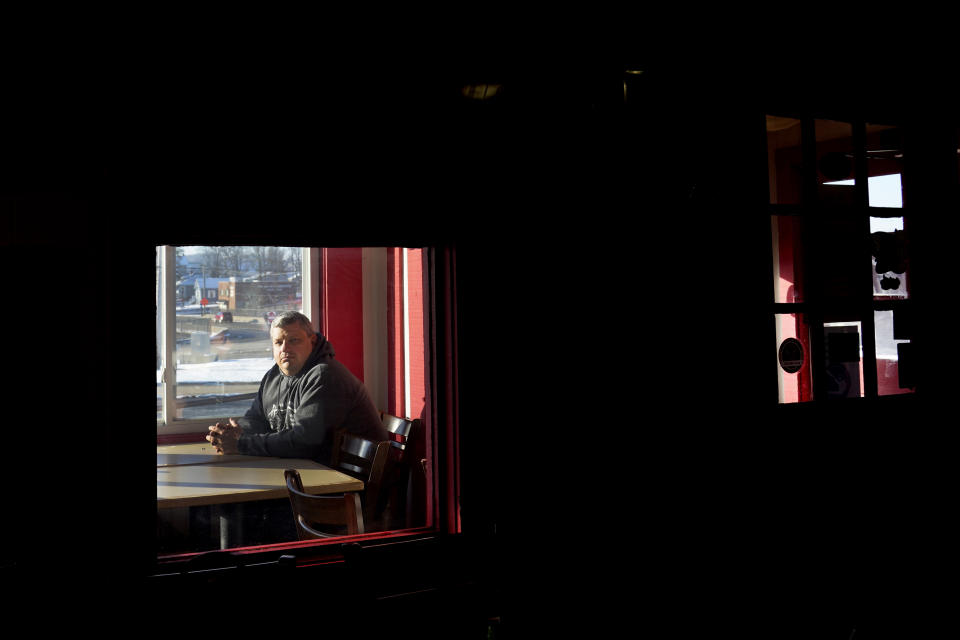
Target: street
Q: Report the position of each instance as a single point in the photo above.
(219, 373)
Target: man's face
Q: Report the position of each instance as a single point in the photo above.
(291, 348)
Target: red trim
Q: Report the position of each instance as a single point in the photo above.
(451, 387)
(415, 305)
(412, 325)
(395, 332)
(443, 444)
(327, 551)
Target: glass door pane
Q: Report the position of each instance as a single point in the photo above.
(884, 151)
(836, 185)
(793, 358)
(843, 359)
(784, 160)
(788, 258)
(894, 352)
(890, 259)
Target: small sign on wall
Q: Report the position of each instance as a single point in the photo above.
(790, 355)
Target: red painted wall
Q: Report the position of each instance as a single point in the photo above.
(341, 320)
(341, 306)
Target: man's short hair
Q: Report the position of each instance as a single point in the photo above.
(288, 318)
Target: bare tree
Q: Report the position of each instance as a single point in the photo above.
(214, 260)
(270, 260)
(181, 267)
(275, 260)
(294, 260)
(235, 258)
(259, 255)
(222, 262)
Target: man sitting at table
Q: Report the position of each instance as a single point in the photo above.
(303, 398)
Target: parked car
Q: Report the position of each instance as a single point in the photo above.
(224, 316)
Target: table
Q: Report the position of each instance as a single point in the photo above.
(193, 453)
(190, 475)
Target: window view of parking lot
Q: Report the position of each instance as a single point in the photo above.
(226, 298)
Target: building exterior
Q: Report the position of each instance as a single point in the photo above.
(194, 287)
(208, 288)
(258, 297)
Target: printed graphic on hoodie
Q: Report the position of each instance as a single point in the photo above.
(278, 417)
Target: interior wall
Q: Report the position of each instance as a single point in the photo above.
(374, 265)
(342, 310)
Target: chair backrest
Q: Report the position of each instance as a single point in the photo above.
(363, 459)
(401, 430)
(313, 511)
(406, 480)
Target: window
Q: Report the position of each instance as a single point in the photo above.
(368, 302)
(838, 207)
(209, 364)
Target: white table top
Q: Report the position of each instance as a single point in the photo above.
(194, 453)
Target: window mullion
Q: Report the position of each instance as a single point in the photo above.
(168, 333)
(310, 274)
(808, 142)
(868, 339)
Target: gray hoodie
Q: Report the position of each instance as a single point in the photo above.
(295, 416)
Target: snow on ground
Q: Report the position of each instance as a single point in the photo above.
(241, 370)
(190, 309)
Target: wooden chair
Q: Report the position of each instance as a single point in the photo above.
(365, 460)
(406, 455)
(311, 511)
(400, 431)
